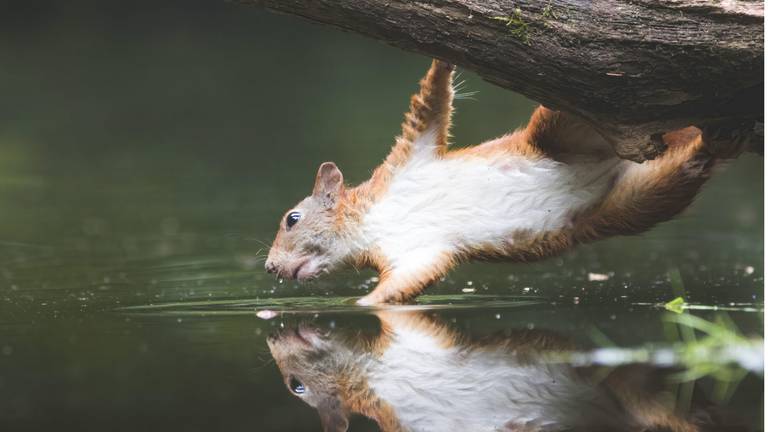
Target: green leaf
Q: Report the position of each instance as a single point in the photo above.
(675, 305)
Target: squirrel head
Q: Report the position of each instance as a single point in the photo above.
(315, 368)
(311, 236)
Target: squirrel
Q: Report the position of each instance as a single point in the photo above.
(525, 196)
(418, 374)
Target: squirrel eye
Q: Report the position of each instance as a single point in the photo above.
(296, 386)
(292, 218)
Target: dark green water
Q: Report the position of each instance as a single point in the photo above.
(147, 151)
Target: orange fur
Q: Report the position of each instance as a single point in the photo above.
(394, 288)
(337, 367)
(431, 107)
(637, 203)
(642, 195)
(420, 322)
(359, 398)
(640, 200)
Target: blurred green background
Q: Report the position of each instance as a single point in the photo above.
(147, 151)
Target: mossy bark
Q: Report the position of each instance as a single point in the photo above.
(633, 68)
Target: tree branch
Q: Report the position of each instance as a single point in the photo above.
(633, 68)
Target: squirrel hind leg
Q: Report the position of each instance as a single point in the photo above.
(727, 140)
(563, 136)
(652, 192)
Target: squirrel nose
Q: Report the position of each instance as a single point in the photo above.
(270, 267)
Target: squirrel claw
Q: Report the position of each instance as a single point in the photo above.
(448, 66)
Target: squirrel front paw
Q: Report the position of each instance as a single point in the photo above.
(450, 67)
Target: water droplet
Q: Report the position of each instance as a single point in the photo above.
(266, 314)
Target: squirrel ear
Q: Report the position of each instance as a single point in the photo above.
(329, 184)
(332, 416)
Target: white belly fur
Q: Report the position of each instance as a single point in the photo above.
(438, 204)
(433, 388)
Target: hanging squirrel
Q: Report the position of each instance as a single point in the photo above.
(527, 195)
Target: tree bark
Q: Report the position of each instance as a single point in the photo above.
(632, 68)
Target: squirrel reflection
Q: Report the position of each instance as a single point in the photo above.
(418, 374)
